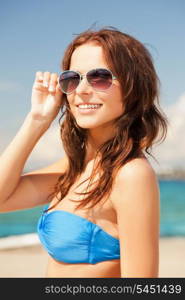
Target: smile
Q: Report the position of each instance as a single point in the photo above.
(86, 108)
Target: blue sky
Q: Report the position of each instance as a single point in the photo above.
(34, 35)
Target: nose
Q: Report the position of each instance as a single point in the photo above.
(83, 87)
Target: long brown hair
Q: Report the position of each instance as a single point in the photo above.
(137, 128)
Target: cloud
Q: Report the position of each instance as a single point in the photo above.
(48, 149)
(171, 153)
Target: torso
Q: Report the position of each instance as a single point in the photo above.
(102, 215)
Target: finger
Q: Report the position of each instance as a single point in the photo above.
(53, 82)
(38, 83)
(59, 96)
(58, 89)
(46, 79)
(39, 76)
(54, 78)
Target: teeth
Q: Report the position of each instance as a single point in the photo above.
(89, 106)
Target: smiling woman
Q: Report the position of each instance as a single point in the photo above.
(95, 224)
(97, 88)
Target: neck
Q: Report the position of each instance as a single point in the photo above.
(95, 139)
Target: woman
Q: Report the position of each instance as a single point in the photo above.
(102, 216)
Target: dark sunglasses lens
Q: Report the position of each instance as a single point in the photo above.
(100, 79)
(69, 81)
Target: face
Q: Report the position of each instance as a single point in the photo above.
(85, 58)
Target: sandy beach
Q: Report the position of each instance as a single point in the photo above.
(30, 260)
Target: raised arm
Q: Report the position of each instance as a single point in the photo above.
(19, 191)
(137, 205)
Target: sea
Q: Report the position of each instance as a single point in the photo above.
(172, 214)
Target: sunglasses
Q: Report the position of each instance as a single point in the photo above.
(100, 80)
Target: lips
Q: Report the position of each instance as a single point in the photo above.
(89, 104)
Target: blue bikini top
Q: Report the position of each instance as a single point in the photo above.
(71, 238)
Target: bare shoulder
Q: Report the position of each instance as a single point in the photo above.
(137, 177)
(136, 169)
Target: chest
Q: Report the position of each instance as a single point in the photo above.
(103, 214)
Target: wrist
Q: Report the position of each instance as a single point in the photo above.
(37, 121)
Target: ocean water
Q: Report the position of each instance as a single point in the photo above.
(172, 194)
(172, 222)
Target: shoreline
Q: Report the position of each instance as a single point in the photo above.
(17, 241)
(23, 256)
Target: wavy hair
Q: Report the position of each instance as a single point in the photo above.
(140, 126)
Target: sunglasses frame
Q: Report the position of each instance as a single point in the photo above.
(81, 76)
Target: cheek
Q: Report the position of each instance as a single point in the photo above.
(116, 102)
(116, 108)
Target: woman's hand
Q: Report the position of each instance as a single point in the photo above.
(46, 97)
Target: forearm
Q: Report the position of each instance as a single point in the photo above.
(14, 157)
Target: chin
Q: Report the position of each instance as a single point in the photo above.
(88, 125)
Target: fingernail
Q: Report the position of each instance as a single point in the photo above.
(45, 84)
(40, 78)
